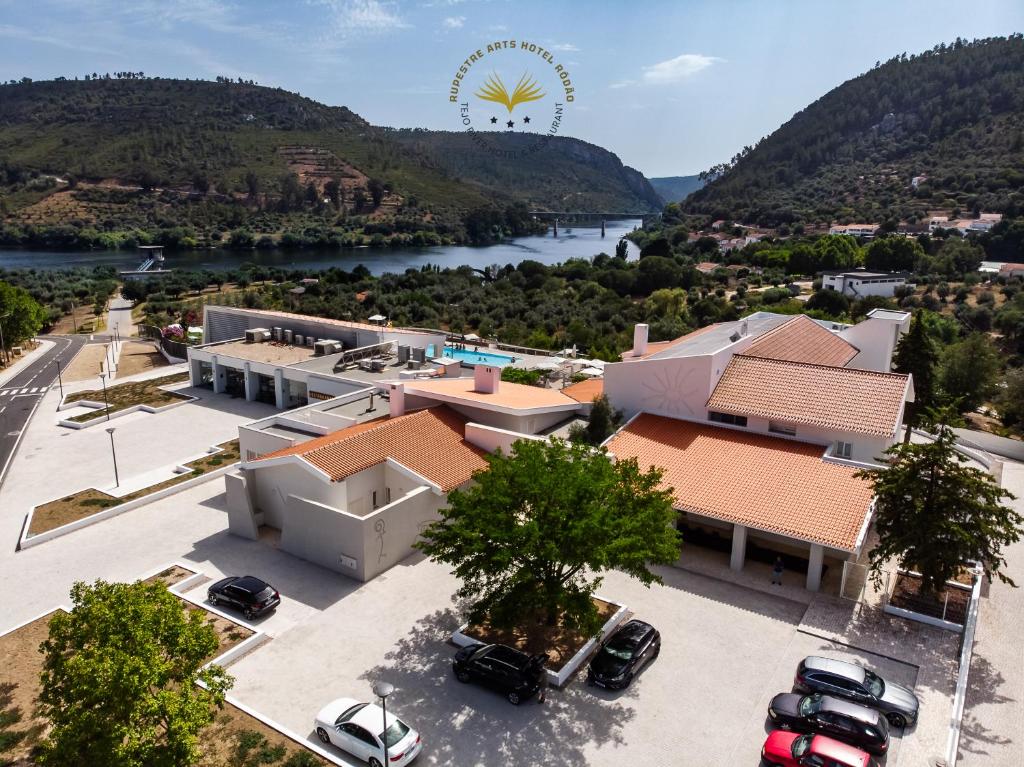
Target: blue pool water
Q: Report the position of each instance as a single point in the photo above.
(473, 357)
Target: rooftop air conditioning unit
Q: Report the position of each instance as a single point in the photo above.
(309, 341)
(277, 333)
(288, 335)
(323, 347)
(254, 336)
(299, 339)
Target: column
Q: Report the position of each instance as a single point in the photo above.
(195, 372)
(252, 385)
(814, 563)
(279, 391)
(739, 547)
(219, 380)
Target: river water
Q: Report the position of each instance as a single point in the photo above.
(573, 242)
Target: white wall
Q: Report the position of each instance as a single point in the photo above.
(674, 387)
(490, 439)
(260, 442)
(524, 424)
(876, 339)
(271, 486)
(865, 447)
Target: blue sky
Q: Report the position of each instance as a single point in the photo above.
(671, 87)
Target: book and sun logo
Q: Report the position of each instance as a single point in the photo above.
(490, 104)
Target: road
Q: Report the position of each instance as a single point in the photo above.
(19, 396)
(119, 318)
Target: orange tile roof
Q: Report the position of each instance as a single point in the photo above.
(801, 339)
(780, 486)
(660, 346)
(509, 395)
(430, 442)
(585, 391)
(836, 398)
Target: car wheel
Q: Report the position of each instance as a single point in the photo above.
(896, 720)
(213, 600)
(374, 762)
(462, 676)
(322, 734)
(248, 614)
(513, 698)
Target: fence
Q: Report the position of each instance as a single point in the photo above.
(173, 348)
(857, 579)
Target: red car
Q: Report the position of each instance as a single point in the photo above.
(790, 749)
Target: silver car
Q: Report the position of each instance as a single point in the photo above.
(856, 683)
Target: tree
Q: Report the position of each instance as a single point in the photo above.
(968, 372)
(603, 421)
(893, 254)
(376, 189)
(333, 191)
(917, 355)
(532, 534)
(933, 512)
(119, 680)
(1011, 399)
(21, 317)
(832, 302)
(621, 248)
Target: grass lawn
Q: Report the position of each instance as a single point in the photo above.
(234, 739)
(121, 396)
(559, 643)
(87, 502)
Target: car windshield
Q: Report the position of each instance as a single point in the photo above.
(801, 745)
(622, 652)
(394, 733)
(810, 704)
(874, 684)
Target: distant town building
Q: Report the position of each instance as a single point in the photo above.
(1011, 270)
(916, 181)
(854, 230)
(717, 225)
(983, 223)
(859, 283)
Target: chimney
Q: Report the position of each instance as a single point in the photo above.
(397, 399)
(639, 339)
(486, 378)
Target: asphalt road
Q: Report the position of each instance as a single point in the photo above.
(18, 397)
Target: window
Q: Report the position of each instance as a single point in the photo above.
(375, 499)
(729, 418)
(387, 495)
(843, 449)
(782, 428)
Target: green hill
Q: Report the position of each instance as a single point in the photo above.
(567, 174)
(676, 188)
(954, 114)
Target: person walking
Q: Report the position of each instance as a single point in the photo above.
(777, 570)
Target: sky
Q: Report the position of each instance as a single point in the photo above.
(671, 87)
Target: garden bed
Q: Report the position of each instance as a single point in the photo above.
(949, 605)
(126, 395)
(85, 503)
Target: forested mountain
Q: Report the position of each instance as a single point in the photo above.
(954, 114)
(567, 174)
(676, 188)
(108, 161)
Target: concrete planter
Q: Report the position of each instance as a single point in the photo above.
(99, 406)
(560, 677)
(930, 620)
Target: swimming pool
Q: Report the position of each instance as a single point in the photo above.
(470, 356)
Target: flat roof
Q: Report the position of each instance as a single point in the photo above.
(762, 482)
(509, 396)
(270, 352)
(716, 337)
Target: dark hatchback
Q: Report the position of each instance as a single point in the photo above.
(514, 674)
(841, 719)
(627, 651)
(251, 596)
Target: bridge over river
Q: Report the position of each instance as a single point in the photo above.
(592, 218)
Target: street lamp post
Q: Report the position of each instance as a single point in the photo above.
(106, 405)
(117, 479)
(382, 690)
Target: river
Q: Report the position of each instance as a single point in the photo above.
(572, 242)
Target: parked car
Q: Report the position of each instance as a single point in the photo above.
(841, 719)
(356, 727)
(248, 594)
(856, 683)
(515, 674)
(790, 749)
(627, 651)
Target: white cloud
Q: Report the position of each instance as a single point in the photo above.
(565, 47)
(349, 16)
(622, 83)
(454, 22)
(677, 69)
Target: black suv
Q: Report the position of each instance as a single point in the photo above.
(248, 594)
(513, 673)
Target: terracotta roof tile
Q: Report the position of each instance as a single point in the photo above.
(801, 339)
(585, 391)
(508, 395)
(430, 442)
(780, 486)
(836, 398)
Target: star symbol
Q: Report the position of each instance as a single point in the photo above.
(510, 124)
(494, 120)
(526, 119)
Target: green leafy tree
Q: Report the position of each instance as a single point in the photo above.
(376, 189)
(968, 372)
(832, 302)
(531, 535)
(119, 680)
(1011, 399)
(917, 354)
(893, 254)
(21, 316)
(933, 512)
(603, 421)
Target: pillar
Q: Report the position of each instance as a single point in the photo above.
(814, 563)
(279, 391)
(219, 378)
(739, 547)
(252, 385)
(195, 372)
(602, 227)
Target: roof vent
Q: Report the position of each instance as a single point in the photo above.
(734, 337)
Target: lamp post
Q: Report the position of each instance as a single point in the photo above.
(106, 405)
(117, 480)
(382, 690)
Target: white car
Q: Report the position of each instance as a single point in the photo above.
(357, 728)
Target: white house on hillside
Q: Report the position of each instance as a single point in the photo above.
(859, 283)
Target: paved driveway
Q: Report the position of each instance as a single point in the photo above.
(726, 651)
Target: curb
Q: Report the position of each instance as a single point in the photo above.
(25, 361)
